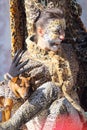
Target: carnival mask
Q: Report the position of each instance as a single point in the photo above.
(54, 29)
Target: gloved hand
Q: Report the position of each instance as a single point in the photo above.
(16, 65)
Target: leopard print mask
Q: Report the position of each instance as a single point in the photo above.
(53, 29)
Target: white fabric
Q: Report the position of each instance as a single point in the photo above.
(6, 92)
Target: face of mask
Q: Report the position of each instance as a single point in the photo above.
(51, 44)
(54, 30)
(52, 40)
(53, 37)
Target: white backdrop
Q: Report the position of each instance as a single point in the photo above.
(5, 58)
(5, 45)
(83, 4)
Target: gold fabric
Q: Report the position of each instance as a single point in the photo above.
(23, 13)
(17, 24)
(54, 27)
(57, 64)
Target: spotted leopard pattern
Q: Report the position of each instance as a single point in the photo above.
(17, 23)
(18, 20)
(74, 25)
(31, 9)
(65, 5)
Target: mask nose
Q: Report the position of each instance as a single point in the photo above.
(62, 35)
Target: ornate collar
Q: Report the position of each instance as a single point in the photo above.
(34, 49)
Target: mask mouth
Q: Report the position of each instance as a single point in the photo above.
(55, 42)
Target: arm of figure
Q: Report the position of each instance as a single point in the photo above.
(38, 101)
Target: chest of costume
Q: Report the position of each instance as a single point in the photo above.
(55, 64)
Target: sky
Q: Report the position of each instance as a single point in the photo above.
(83, 4)
(5, 44)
